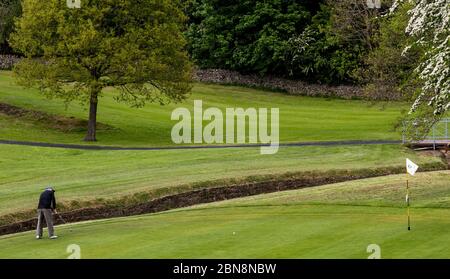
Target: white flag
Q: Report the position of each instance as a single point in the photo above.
(411, 168)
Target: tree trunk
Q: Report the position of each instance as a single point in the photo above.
(92, 124)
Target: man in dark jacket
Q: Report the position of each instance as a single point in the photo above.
(46, 208)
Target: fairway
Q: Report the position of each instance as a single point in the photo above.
(336, 221)
(321, 222)
(301, 118)
(88, 177)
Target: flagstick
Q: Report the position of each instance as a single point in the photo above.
(407, 204)
(411, 169)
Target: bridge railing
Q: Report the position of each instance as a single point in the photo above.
(438, 134)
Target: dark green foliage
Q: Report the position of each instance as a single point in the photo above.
(317, 54)
(293, 39)
(388, 70)
(9, 9)
(249, 36)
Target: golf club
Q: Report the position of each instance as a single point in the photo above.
(64, 221)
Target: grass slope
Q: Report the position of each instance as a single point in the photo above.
(318, 222)
(81, 176)
(301, 118)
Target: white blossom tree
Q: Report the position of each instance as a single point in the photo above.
(429, 25)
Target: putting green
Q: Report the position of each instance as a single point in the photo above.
(321, 222)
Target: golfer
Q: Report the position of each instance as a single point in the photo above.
(46, 208)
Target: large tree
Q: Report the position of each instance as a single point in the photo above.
(136, 46)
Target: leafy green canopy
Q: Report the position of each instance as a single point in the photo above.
(134, 45)
(248, 36)
(388, 71)
(320, 41)
(320, 53)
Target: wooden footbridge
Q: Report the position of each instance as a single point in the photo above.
(438, 137)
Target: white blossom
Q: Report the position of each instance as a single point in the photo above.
(429, 24)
